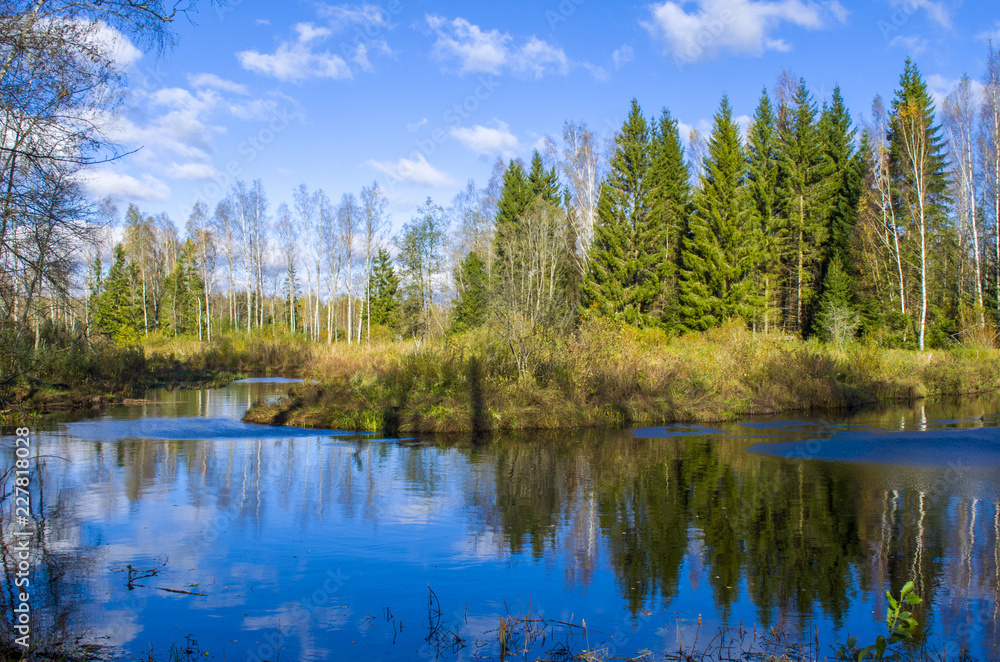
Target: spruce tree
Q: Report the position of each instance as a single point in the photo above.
(836, 320)
(628, 254)
(720, 251)
(670, 196)
(804, 207)
(471, 307)
(384, 289)
(117, 312)
(762, 179)
(543, 184)
(515, 199)
(843, 172)
(182, 288)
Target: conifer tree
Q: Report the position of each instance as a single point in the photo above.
(804, 208)
(835, 319)
(670, 196)
(384, 288)
(182, 287)
(628, 255)
(762, 180)
(515, 199)
(472, 305)
(720, 252)
(543, 184)
(842, 170)
(116, 311)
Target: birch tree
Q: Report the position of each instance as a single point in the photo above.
(226, 229)
(990, 156)
(288, 240)
(204, 240)
(961, 113)
(348, 218)
(582, 167)
(881, 210)
(375, 220)
(918, 160)
(305, 209)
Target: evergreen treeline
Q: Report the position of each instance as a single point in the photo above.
(802, 223)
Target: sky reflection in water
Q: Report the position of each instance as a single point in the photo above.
(335, 540)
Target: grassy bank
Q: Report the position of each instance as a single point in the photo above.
(71, 374)
(605, 375)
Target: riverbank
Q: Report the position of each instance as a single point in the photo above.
(606, 375)
(77, 375)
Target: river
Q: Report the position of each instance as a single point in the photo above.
(275, 543)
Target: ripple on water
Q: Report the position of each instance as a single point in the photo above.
(189, 428)
(941, 448)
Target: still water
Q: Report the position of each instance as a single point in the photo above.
(323, 546)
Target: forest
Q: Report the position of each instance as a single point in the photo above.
(806, 225)
(803, 226)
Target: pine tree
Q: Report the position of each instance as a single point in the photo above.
(384, 288)
(471, 307)
(670, 195)
(628, 256)
(762, 180)
(720, 251)
(804, 208)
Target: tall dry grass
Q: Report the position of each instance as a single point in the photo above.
(607, 374)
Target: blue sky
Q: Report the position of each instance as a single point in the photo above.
(422, 96)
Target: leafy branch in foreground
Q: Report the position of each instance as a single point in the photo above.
(898, 623)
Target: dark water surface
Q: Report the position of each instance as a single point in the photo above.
(342, 547)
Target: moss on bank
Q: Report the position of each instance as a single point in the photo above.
(606, 375)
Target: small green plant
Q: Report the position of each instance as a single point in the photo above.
(898, 623)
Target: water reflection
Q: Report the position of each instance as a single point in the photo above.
(322, 536)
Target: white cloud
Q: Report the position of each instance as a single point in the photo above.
(216, 83)
(109, 42)
(993, 34)
(362, 50)
(263, 21)
(413, 127)
(743, 122)
(296, 62)
(346, 15)
(487, 140)
(191, 171)
(102, 183)
(537, 57)
(622, 56)
(600, 74)
(913, 45)
(309, 32)
(936, 11)
(480, 51)
(417, 171)
(736, 26)
(838, 11)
